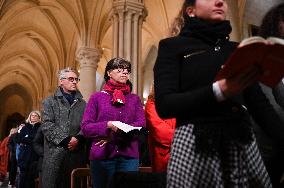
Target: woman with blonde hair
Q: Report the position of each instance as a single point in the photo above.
(27, 156)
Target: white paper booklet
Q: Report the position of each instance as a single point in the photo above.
(125, 127)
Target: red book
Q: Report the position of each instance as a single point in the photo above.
(267, 54)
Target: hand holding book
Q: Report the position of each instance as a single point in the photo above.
(235, 84)
(265, 54)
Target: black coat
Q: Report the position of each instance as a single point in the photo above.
(184, 72)
(38, 144)
(12, 146)
(25, 138)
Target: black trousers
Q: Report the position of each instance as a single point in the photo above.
(13, 170)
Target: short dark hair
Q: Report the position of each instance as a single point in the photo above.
(270, 25)
(118, 63)
(190, 2)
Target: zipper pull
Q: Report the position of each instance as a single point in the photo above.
(217, 47)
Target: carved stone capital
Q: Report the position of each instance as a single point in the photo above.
(128, 8)
(88, 57)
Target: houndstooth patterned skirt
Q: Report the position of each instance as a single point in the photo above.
(242, 167)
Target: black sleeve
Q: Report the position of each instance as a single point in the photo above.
(38, 142)
(170, 102)
(80, 138)
(17, 139)
(278, 93)
(64, 143)
(263, 113)
(24, 137)
(11, 143)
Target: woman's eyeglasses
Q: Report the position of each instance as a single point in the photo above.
(71, 79)
(125, 71)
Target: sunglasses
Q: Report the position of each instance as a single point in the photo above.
(71, 79)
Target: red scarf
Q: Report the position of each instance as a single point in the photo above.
(118, 90)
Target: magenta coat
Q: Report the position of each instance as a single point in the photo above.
(98, 112)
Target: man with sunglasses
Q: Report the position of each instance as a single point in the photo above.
(63, 140)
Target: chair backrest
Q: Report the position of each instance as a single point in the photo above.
(83, 175)
(145, 169)
(138, 180)
(37, 183)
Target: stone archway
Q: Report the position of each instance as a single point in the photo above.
(14, 99)
(12, 121)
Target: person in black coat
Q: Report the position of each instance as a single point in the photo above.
(27, 158)
(273, 26)
(214, 144)
(272, 153)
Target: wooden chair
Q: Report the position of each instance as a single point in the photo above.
(83, 175)
(37, 183)
(145, 169)
(143, 178)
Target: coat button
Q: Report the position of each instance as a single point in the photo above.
(235, 109)
(217, 48)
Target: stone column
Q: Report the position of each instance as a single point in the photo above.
(88, 59)
(234, 17)
(128, 16)
(242, 5)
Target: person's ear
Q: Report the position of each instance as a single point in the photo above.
(60, 82)
(108, 73)
(190, 11)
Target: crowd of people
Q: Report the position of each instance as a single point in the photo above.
(200, 131)
(17, 155)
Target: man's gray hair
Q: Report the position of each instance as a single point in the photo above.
(61, 73)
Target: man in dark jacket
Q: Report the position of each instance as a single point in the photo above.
(63, 141)
(271, 150)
